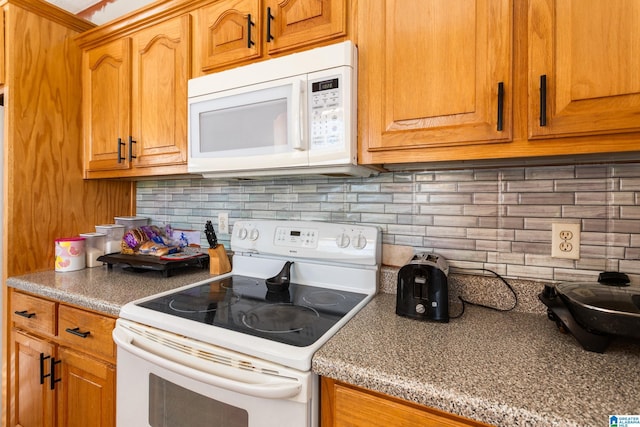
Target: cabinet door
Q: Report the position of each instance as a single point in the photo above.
(589, 52)
(160, 75)
(106, 105)
(32, 403)
(229, 32)
(86, 391)
(298, 23)
(429, 75)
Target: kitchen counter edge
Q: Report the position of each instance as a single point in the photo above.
(102, 289)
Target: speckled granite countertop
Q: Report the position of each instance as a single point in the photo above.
(101, 289)
(505, 369)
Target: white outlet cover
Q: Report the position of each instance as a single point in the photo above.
(557, 241)
(223, 223)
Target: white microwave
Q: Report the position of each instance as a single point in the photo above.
(292, 115)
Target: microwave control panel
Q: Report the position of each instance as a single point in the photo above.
(326, 124)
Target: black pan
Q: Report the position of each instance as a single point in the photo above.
(604, 309)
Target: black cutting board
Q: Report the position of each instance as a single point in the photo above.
(166, 266)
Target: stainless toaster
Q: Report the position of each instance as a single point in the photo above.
(423, 290)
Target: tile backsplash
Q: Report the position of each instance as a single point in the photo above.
(498, 218)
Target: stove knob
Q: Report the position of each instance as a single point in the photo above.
(342, 240)
(254, 234)
(242, 233)
(360, 242)
(420, 309)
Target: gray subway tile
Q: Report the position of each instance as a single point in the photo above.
(499, 217)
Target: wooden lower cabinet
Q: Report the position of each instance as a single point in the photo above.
(344, 405)
(62, 376)
(86, 392)
(32, 400)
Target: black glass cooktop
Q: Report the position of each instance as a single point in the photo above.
(296, 317)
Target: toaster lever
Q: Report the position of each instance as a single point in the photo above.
(418, 286)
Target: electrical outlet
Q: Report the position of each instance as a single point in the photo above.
(223, 223)
(565, 240)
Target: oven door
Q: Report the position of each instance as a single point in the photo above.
(165, 380)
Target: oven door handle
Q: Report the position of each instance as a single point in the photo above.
(262, 385)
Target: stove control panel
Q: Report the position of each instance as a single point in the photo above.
(297, 237)
(325, 241)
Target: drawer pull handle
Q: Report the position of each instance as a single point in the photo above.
(42, 374)
(250, 24)
(52, 378)
(76, 331)
(131, 142)
(500, 106)
(270, 18)
(120, 144)
(25, 313)
(543, 100)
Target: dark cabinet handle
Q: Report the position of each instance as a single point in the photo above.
(543, 100)
(76, 332)
(120, 144)
(249, 25)
(25, 313)
(52, 378)
(131, 142)
(500, 106)
(270, 17)
(42, 375)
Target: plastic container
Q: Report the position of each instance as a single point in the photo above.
(94, 247)
(70, 254)
(130, 222)
(114, 233)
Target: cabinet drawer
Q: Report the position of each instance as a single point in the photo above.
(85, 331)
(33, 313)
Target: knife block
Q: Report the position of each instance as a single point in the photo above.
(219, 260)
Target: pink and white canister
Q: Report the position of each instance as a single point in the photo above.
(70, 254)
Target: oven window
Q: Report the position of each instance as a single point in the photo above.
(173, 406)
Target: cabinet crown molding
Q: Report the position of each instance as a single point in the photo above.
(51, 12)
(138, 19)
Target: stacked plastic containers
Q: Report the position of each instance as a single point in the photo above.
(130, 222)
(94, 247)
(113, 236)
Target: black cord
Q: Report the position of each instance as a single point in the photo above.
(515, 296)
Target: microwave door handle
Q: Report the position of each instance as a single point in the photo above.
(269, 389)
(298, 98)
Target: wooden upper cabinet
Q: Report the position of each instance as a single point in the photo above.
(107, 102)
(589, 52)
(233, 32)
(230, 32)
(433, 73)
(297, 23)
(135, 102)
(159, 104)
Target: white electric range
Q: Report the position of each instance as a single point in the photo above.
(236, 351)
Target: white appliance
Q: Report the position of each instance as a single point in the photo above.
(293, 115)
(230, 351)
